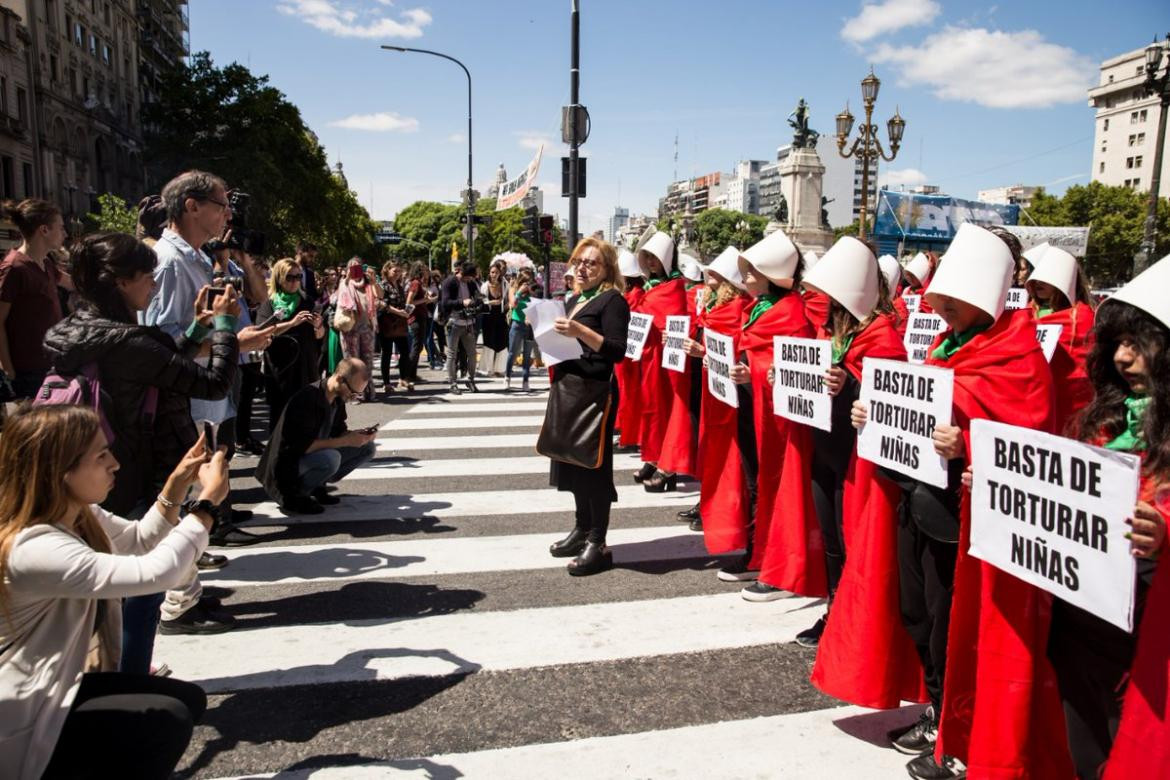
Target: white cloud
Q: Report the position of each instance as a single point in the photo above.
(385, 122)
(333, 17)
(456, 138)
(888, 16)
(993, 68)
(906, 177)
(531, 139)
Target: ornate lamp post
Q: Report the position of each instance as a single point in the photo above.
(867, 147)
(1158, 85)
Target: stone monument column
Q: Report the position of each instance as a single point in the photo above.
(801, 187)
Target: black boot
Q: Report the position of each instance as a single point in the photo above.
(595, 558)
(689, 514)
(661, 483)
(571, 545)
(645, 472)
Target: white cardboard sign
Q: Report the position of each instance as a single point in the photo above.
(674, 357)
(720, 359)
(800, 392)
(1049, 337)
(1051, 511)
(1017, 298)
(920, 333)
(913, 302)
(905, 403)
(636, 335)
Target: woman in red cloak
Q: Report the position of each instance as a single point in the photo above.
(629, 419)
(917, 275)
(892, 273)
(680, 446)
(1061, 297)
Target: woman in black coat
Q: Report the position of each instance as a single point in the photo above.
(598, 316)
(292, 360)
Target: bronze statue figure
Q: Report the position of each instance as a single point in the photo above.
(804, 137)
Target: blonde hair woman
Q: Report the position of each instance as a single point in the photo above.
(597, 316)
(65, 565)
(291, 360)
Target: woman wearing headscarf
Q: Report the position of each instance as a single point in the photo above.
(629, 420)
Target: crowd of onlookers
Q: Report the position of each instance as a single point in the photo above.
(130, 373)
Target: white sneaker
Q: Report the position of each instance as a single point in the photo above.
(760, 592)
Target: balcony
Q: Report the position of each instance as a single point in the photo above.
(13, 127)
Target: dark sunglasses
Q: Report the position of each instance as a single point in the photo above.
(292, 277)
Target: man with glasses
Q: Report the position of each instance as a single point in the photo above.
(312, 446)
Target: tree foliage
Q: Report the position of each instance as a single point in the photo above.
(232, 123)
(1115, 217)
(113, 214)
(713, 230)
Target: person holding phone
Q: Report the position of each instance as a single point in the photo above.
(291, 361)
(311, 444)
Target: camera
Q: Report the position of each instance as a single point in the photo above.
(240, 236)
(221, 280)
(478, 306)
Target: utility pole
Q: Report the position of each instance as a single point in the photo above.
(574, 97)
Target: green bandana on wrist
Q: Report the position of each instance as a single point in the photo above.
(1131, 439)
(763, 303)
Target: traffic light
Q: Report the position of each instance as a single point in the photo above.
(546, 230)
(531, 223)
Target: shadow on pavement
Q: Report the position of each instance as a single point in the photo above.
(874, 727)
(354, 602)
(340, 562)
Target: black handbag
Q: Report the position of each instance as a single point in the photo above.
(574, 422)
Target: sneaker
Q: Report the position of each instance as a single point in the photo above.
(919, 737)
(811, 637)
(250, 446)
(926, 768)
(302, 505)
(209, 561)
(162, 670)
(759, 592)
(228, 535)
(524, 386)
(456, 389)
(322, 497)
(472, 386)
(198, 620)
(738, 571)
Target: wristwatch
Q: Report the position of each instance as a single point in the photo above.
(204, 506)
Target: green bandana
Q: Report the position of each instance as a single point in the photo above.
(1131, 439)
(518, 309)
(691, 285)
(1043, 311)
(839, 350)
(763, 303)
(587, 294)
(652, 283)
(285, 303)
(951, 344)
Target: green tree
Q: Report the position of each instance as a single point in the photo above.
(852, 229)
(113, 214)
(232, 123)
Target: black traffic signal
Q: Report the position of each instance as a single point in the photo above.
(546, 229)
(531, 223)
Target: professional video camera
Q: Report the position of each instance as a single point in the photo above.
(239, 235)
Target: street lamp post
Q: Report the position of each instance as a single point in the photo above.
(470, 192)
(867, 147)
(401, 239)
(1159, 86)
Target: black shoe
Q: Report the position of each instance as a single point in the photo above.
(571, 545)
(302, 505)
(689, 514)
(661, 483)
(198, 620)
(593, 559)
(739, 571)
(322, 497)
(696, 524)
(242, 515)
(228, 535)
(250, 446)
(926, 768)
(472, 386)
(919, 737)
(644, 473)
(456, 389)
(811, 637)
(208, 561)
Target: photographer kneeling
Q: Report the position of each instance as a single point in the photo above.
(65, 562)
(311, 445)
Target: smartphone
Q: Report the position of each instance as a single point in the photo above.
(268, 322)
(371, 429)
(208, 438)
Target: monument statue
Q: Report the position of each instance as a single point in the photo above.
(804, 137)
(825, 212)
(782, 211)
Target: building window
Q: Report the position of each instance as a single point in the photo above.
(1106, 128)
(68, 26)
(1133, 118)
(1142, 115)
(1129, 162)
(3, 96)
(54, 71)
(106, 13)
(51, 14)
(21, 103)
(1137, 161)
(27, 170)
(1101, 168)
(93, 47)
(106, 54)
(8, 175)
(1132, 138)
(1110, 78)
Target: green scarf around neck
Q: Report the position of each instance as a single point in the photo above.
(841, 348)
(1131, 439)
(587, 294)
(763, 303)
(284, 304)
(657, 280)
(953, 341)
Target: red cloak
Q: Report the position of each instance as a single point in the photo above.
(723, 493)
(629, 415)
(1069, 365)
(901, 316)
(1142, 745)
(1001, 712)
(865, 656)
(663, 391)
(816, 308)
(775, 434)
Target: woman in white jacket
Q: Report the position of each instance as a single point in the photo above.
(64, 565)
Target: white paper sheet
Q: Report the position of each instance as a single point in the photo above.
(554, 348)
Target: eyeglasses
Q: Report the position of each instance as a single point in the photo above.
(209, 199)
(590, 263)
(292, 277)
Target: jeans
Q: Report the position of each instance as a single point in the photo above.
(432, 343)
(415, 336)
(332, 465)
(519, 340)
(389, 345)
(460, 336)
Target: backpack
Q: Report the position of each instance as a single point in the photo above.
(85, 389)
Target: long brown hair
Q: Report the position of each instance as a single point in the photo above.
(613, 276)
(38, 447)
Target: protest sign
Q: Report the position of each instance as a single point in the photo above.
(800, 392)
(920, 333)
(913, 302)
(637, 334)
(905, 403)
(1049, 338)
(1017, 298)
(555, 348)
(720, 359)
(1051, 511)
(513, 192)
(700, 300)
(673, 356)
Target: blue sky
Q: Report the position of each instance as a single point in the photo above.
(992, 95)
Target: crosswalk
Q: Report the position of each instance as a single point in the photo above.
(419, 629)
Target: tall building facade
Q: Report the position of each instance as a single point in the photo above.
(1017, 193)
(71, 118)
(621, 216)
(1126, 126)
